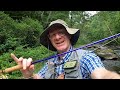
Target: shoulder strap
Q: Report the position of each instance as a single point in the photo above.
(81, 53)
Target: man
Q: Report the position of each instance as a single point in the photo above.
(80, 64)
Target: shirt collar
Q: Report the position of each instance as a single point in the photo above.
(65, 58)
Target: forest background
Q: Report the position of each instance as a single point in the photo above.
(20, 32)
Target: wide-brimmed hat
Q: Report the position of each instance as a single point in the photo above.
(44, 40)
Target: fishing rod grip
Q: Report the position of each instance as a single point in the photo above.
(14, 68)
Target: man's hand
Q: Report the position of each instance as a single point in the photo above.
(27, 69)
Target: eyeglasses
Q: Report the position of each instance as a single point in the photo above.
(60, 33)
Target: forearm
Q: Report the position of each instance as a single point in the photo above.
(102, 73)
(111, 75)
(36, 76)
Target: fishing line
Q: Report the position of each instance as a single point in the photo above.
(85, 46)
(18, 67)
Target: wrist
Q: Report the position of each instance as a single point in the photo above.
(30, 77)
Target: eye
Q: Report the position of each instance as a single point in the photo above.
(51, 35)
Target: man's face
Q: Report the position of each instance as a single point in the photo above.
(60, 39)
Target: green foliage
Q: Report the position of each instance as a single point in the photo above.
(28, 31)
(37, 53)
(43, 16)
(6, 32)
(100, 26)
(6, 25)
(20, 31)
(14, 33)
(10, 44)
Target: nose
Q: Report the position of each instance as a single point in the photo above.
(57, 36)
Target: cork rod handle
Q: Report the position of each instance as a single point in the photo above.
(14, 68)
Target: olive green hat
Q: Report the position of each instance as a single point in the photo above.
(44, 40)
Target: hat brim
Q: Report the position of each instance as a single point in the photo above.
(44, 40)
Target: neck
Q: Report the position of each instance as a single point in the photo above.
(59, 52)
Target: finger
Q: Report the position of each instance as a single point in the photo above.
(31, 68)
(14, 57)
(29, 61)
(20, 60)
(24, 63)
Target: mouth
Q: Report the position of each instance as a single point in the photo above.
(60, 43)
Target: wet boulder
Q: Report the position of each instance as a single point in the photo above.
(112, 65)
(107, 54)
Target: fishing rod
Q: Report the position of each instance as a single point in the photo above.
(18, 67)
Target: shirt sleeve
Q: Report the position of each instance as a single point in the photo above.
(90, 62)
(41, 73)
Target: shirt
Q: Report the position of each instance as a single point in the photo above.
(88, 63)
